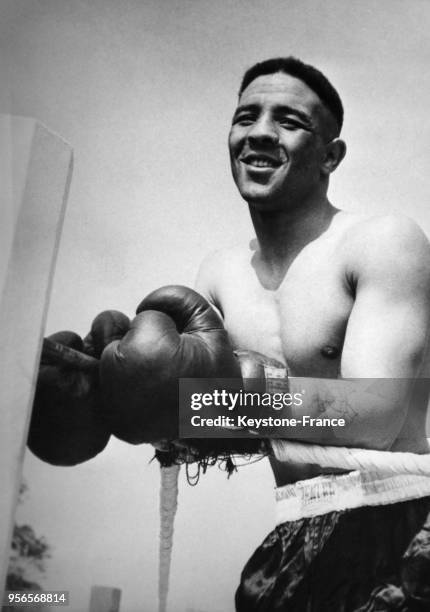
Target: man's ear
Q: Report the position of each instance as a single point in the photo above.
(335, 151)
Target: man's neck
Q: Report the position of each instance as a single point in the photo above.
(281, 235)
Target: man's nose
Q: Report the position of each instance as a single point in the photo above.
(263, 131)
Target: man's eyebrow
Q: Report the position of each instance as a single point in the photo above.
(245, 107)
(289, 110)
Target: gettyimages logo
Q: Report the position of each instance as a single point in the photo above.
(221, 398)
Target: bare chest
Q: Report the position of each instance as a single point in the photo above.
(302, 322)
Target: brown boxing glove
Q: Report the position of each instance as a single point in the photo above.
(176, 334)
(67, 424)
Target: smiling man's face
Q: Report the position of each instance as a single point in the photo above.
(277, 141)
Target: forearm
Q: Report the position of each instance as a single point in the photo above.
(366, 413)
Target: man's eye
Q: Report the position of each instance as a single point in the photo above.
(243, 120)
(291, 124)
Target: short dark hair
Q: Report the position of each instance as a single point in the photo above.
(313, 78)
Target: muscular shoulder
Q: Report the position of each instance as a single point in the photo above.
(219, 268)
(392, 245)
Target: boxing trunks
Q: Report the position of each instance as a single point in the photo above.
(338, 546)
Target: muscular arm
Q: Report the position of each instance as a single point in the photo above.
(386, 338)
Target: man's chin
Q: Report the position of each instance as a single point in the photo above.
(265, 205)
(262, 200)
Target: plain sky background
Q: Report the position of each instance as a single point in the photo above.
(144, 92)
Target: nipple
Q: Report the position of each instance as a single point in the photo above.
(330, 352)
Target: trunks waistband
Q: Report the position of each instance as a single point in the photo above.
(335, 492)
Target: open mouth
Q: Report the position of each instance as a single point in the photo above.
(258, 160)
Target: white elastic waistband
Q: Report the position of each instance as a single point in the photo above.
(335, 492)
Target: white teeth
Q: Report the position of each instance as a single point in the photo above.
(261, 163)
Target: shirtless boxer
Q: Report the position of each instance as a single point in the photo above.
(329, 294)
(332, 296)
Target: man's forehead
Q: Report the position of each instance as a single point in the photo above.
(280, 88)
